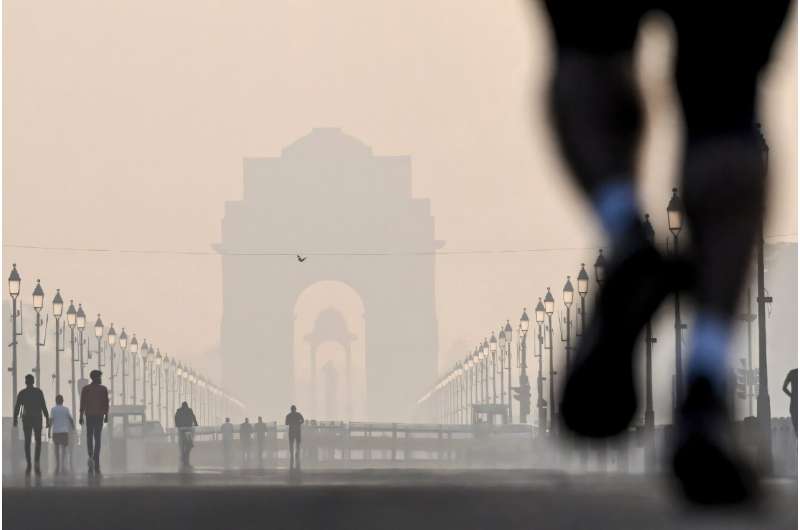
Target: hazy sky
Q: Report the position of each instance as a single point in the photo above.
(126, 123)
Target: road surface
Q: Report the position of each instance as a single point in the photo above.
(381, 499)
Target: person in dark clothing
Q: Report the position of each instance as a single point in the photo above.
(185, 422)
(596, 111)
(94, 405)
(260, 430)
(791, 380)
(245, 437)
(31, 400)
(294, 420)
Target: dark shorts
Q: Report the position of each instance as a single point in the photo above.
(61, 438)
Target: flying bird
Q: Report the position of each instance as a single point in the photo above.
(301, 260)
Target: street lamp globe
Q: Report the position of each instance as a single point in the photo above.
(600, 268)
(509, 331)
(549, 302)
(14, 282)
(675, 213)
(493, 344)
(111, 336)
(98, 327)
(158, 358)
(134, 345)
(38, 297)
(123, 339)
(568, 294)
(144, 347)
(80, 318)
(58, 304)
(539, 312)
(71, 315)
(485, 347)
(524, 322)
(583, 281)
(501, 339)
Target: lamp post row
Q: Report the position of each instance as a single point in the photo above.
(210, 399)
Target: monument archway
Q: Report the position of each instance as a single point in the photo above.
(351, 214)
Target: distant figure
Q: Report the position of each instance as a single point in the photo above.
(61, 424)
(227, 441)
(260, 429)
(791, 379)
(31, 400)
(185, 422)
(301, 260)
(245, 436)
(294, 420)
(597, 113)
(94, 405)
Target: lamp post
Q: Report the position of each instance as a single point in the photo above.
(98, 333)
(493, 351)
(111, 338)
(485, 354)
(509, 336)
(524, 384)
(38, 304)
(58, 309)
(157, 363)
(134, 354)
(549, 308)
(151, 360)
(81, 323)
(583, 290)
(71, 322)
(675, 223)
(541, 404)
(649, 340)
(762, 400)
(568, 296)
(145, 352)
(123, 345)
(14, 283)
(600, 278)
(501, 344)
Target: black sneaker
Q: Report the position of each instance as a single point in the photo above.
(599, 398)
(705, 462)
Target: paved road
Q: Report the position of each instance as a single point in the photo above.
(385, 499)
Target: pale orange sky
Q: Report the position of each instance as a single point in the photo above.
(126, 124)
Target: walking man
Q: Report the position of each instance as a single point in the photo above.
(94, 405)
(597, 113)
(185, 422)
(294, 420)
(61, 424)
(227, 441)
(31, 400)
(245, 437)
(260, 429)
(791, 380)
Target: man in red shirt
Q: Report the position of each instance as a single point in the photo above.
(94, 405)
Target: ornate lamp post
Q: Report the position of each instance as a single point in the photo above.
(81, 324)
(71, 322)
(493, 351)
(583, 290)
(145, 355)
(541, 403)
(524, 384)
(38, 304)
(134, 355)
(123, 345)
(549, 308)
(649, 340)
(157, 366)
(509, 336)
(675, 222)
(111, 338)
(58, 310)
(485, 355)
(98, 333)
(568, 296)
(501, 344)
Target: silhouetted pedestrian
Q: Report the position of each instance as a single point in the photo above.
(185, 422)
(260, 430)
(791, 380)
(597, 113)
(245, 437)
(31, 400)
(294, 420)
(227, 442)
(94, 405)
(61, 424)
